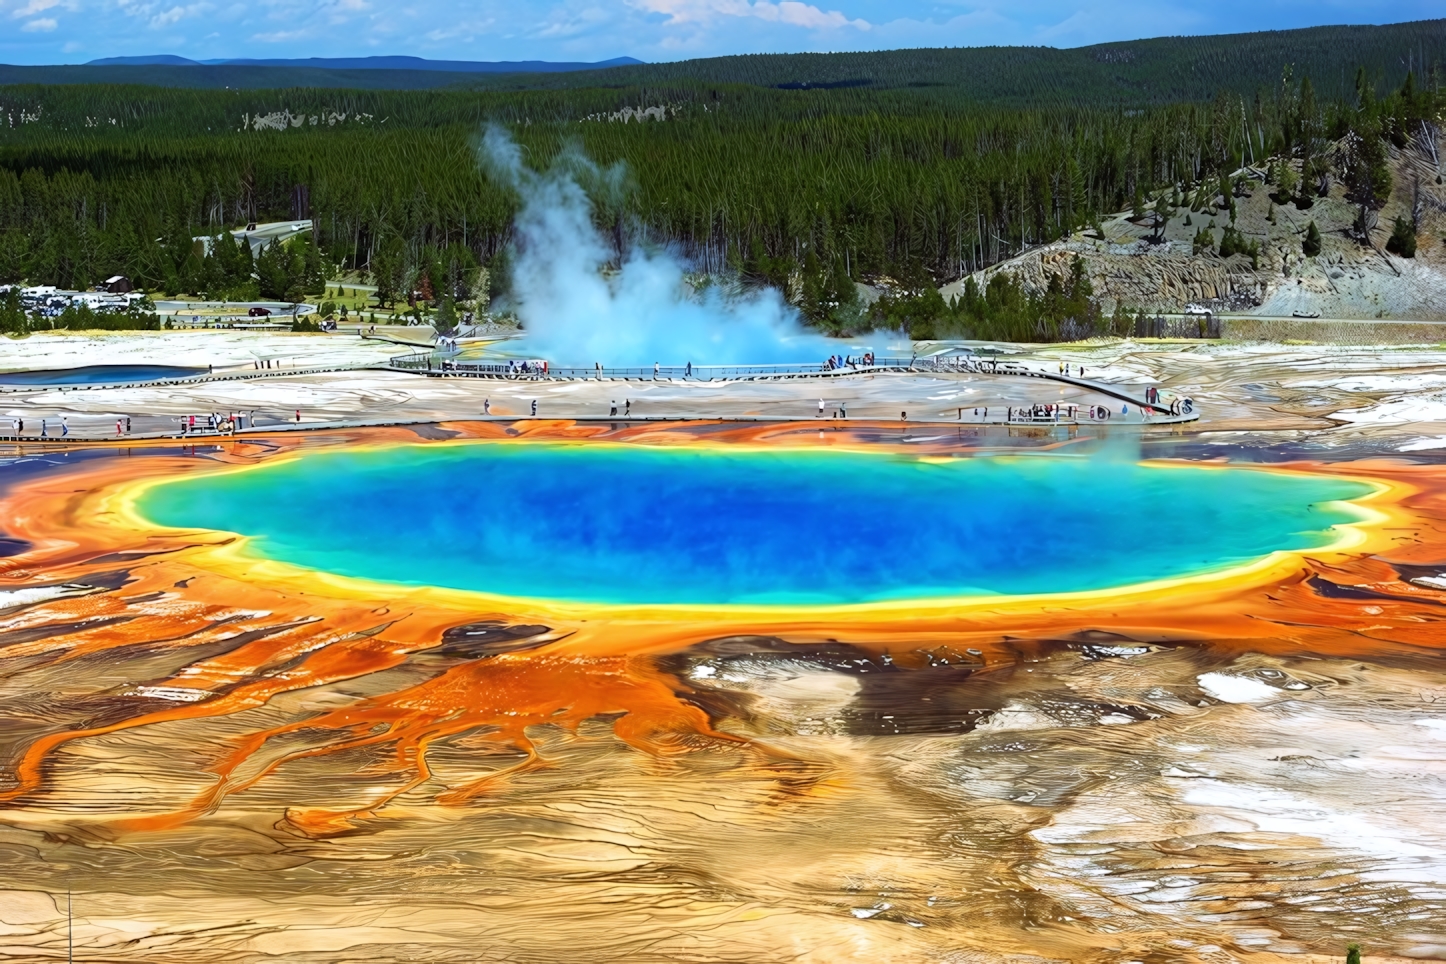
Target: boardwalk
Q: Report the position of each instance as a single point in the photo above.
(853, 394)
(441, 365)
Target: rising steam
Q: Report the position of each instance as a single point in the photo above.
(645, 313)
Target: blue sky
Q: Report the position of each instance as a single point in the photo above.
(73, 31)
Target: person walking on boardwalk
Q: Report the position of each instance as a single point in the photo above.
(627, 406)
(688, 370)
(614, 409)
(655, 371)
(486, 406)
(534, 407)
(820, 408)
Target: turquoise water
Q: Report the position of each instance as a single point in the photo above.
(98, 375)
(631, 524)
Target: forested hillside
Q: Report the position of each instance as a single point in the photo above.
(1137, 72)
(913, 182)
(1160, 70)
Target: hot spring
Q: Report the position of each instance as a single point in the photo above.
(98, 375)
(629, 524)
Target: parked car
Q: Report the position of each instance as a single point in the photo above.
(258, 312)
(1305, 314)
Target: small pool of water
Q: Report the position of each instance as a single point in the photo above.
(98, 375)
(707, 524)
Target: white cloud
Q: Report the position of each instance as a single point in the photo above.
(466, 31)
(41, 25)
(278, 36)
(806, 15)
(168, 17)
(791, 12)
(561, 25)
(157, 15)
(33, 7)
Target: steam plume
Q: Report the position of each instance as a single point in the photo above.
(645, 313)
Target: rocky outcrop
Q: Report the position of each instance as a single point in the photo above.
(1352, 277)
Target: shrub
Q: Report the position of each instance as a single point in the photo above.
(1231, 242)
(1402, 241)
(1311, 245)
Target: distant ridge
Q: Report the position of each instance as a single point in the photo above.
(170, 60)
(374, 63)
(1161, 70)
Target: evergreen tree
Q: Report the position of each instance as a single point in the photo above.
(13, 320)
(1402, 241)
(1310, 247)
(445, 321)
(273, 273)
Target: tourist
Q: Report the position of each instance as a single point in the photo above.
(44, 428)
(627, 406)
(117, 428)
(820, 408)
(655, 371)
(614, 409)
(534, 406)
(64, 426)
(486, 406)
(298, 416)
(688, 370)
(843, 412)
(903, 416)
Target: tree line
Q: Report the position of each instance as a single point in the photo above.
(807, 189)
